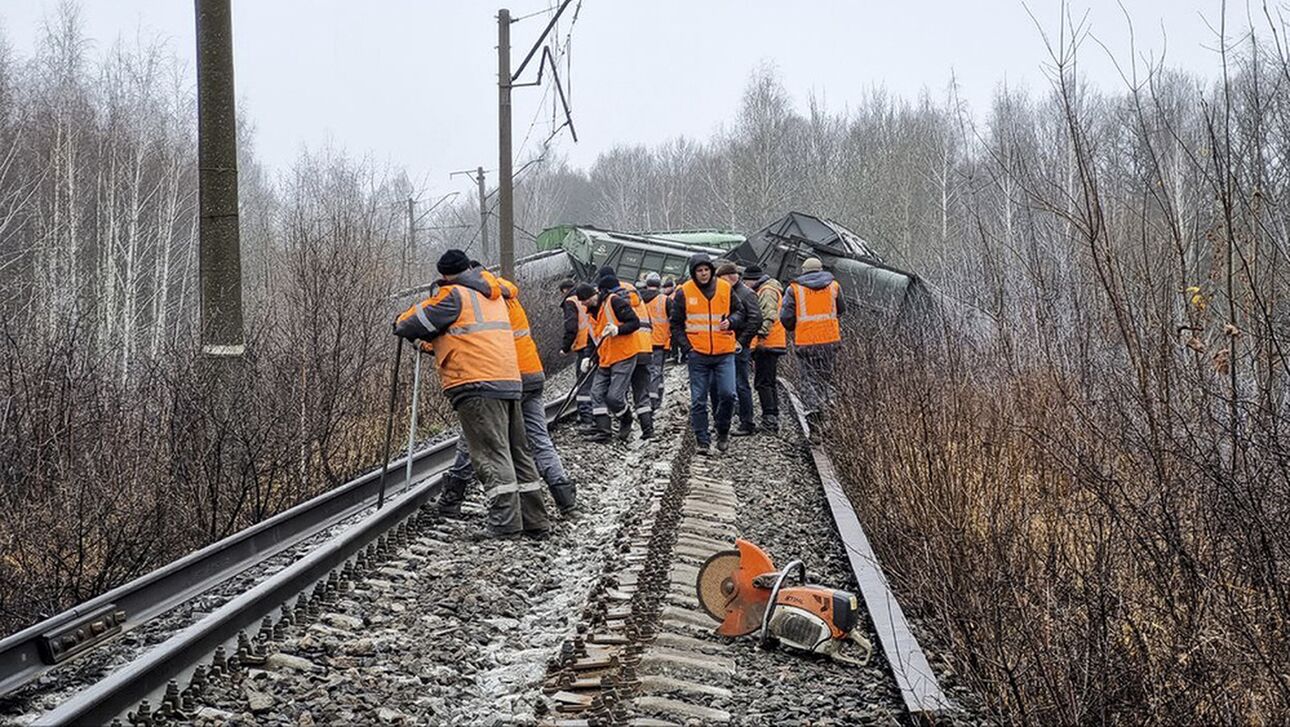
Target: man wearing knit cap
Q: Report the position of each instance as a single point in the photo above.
(467, 327)
(812, 306)
(577, 340)
(743, 348)
(623, 349)
(659, 307)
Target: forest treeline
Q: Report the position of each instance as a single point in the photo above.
(1074, 470)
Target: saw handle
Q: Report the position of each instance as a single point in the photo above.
(800, 567)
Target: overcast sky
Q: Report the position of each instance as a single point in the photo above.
(412, 82)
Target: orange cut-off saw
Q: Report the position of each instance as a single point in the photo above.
(742, 589)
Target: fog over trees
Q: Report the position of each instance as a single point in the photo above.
(1076, 469)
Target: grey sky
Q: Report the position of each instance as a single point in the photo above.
(411, 82)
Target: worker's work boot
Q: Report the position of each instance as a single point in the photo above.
(603, 431)
(723, 442)
(647, 425)
(625, 426)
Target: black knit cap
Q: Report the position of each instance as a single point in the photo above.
(453, 262)
(566, 284)
(605, 270)
(583, 291)
(608, 281)
(753, 272)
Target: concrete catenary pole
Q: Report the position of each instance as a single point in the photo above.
(505, 185)
(220, 255)
(483, 211)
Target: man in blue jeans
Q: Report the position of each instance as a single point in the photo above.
(705, 316)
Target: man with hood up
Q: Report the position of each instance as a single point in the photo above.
(466, 322)
(769, 344)
(705, 316)
(623, 351)
(810, 312)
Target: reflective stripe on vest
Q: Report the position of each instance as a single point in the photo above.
(703, 318)
(614, 348)
(817, 315)
(644, 334)
(660, 328)
(525, 349)
(777, 338)
(479, 346)
(584, 324)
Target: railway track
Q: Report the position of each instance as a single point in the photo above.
(405, 617)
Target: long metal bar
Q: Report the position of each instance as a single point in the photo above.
(919, 688)
(538, 43)
(101, 702)
(412, 423)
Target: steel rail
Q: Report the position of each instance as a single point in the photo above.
(148, 675)
(21, 657)
(919, 688)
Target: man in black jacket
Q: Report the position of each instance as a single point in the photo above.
(577, 339)
(743, 350)
(705, 317)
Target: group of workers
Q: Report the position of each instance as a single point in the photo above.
(728, 325)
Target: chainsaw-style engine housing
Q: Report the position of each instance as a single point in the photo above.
(742, 590)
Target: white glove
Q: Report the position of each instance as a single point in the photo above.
(584, 365)
(609, 330)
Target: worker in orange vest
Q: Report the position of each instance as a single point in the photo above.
(810, 311)
(658, 305)
(577, 340)
(623, 350)
(468, 327)
(705, 316)
(462, 473)
(768, 345)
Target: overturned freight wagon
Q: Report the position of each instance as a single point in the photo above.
(631, 254)
(780, 247)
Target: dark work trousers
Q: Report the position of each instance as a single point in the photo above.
(743, 388)
(584, 391)
(656, 361)
(711, 376)
(494, 432)
(765, 373)
(540, 445)
(609, 395)
(817, 376)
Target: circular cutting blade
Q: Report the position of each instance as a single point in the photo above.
(715, 583)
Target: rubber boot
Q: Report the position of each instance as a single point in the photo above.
(647, 425)
(625, 426)
(603, 431)
(565, 494)
(451, 497)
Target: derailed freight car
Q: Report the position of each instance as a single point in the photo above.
(779, 248)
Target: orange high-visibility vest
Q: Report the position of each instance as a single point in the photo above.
(525, 349)
(660, 328)
(614, 348)
(584, 324)
(644, 334)
(777, 338)
(817, 314)
(703, 318)
(479, 346)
